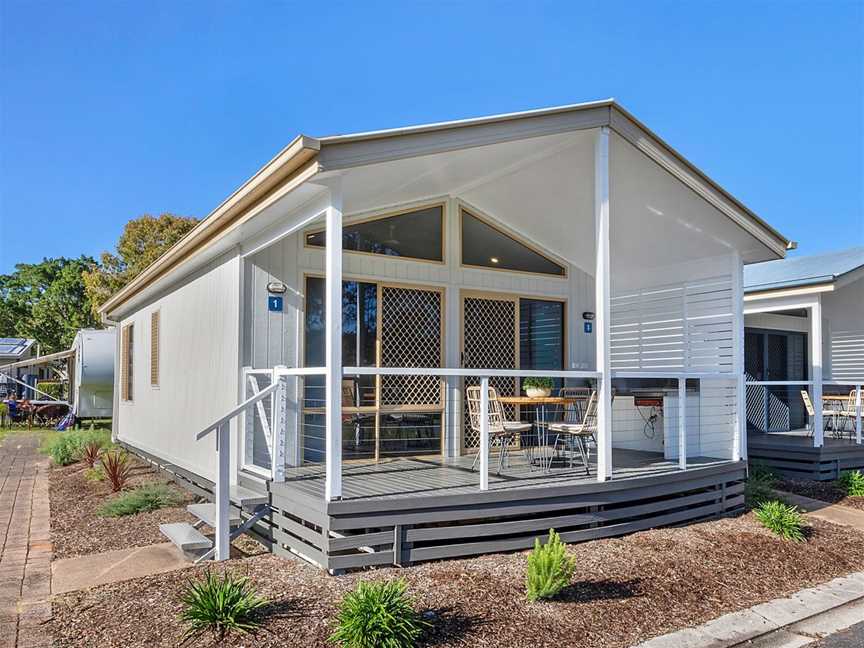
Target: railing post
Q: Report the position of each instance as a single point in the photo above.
(221, 491)
(816, 371)
(333, 346)
(858, 413)
(279, 418)
(682, 423)
(602, 301)
(484, 434)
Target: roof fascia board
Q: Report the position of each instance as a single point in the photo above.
(789, 292)
(386, 146)
(296, 164)
(640, 136)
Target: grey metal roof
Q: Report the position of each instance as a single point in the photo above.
(802, 270)
(14, 347)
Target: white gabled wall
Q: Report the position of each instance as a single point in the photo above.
(843, 331)
(199, 352)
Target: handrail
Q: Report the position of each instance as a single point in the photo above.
(458, 372)
(677, 375)
(778, 383)
(237, 410)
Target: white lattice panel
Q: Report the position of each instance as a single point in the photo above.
(680, 327)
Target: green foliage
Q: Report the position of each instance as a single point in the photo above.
(66, 448)
(782, 519)
(143, 240)
(46, 301)
(760, 486)
(4, 414)
(117, 469)
(148, 497)
(538, 383)
(378, 614)
(851, 482)
(549, 568)
(220, 604)
(94, 475)
(52, 388)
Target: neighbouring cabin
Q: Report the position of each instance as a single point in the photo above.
(469, 265)
(804, 345)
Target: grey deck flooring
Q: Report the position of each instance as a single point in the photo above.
(418, 476)
(797, 439)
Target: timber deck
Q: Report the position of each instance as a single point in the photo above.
(791, 454)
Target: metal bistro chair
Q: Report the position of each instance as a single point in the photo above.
(578, 429)
(849, 413)
(828, 415)
(501, 430)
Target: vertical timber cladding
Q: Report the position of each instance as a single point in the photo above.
(490, 340)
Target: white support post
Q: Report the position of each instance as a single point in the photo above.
(682, 423)
(858, 413)
(333, 345)
(739, 435)
(484, 434)
(603, 304)
(816, 371)
(221, 492)
(279, 417)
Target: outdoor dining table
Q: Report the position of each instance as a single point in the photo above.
(835, 403)
(542, 403)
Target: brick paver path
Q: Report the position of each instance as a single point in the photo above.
(25, 545)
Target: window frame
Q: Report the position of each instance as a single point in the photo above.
(350, 221)
(127, 373)
(490, 222)
(155, 344)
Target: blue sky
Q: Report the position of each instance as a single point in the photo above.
(109, 110)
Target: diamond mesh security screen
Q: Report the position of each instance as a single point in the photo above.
(488, 342)
(410, 337)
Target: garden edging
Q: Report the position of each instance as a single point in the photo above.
(736, 628)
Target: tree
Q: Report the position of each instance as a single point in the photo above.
(144, 240)
(46, 301)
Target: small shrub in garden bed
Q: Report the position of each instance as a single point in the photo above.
(66, 448)
(759, 488)
(549, 568)
(117, 469)
(378, 615)
(94, 474)
(782, 519)
(851, 482)
(220, 604)
(148, 497)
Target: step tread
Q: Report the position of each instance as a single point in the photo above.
(246, 497)
(206, 512)
(185, 536)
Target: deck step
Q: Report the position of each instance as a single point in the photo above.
(206, 512)
(246, 498)
(185, 536)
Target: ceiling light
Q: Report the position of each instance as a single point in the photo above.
(493, 259)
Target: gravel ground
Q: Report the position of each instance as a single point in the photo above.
(624, 590)
(824, 491)
(76, 530)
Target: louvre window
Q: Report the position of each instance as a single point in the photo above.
(126, 377)
(485, 246)
(154, 349)
(417, 234)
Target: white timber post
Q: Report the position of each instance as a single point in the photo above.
(484, 434)
(603, 307)
(682, 423)
(222, 487)
(739, 435)
(333, 344)
(816, 370)
(858, 413)
(279, 416)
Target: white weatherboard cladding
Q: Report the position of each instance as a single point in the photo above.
(843, 310)
(199, 351)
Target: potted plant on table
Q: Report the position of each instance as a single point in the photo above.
(537, 387)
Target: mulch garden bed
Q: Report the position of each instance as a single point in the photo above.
(624, 591)
(77, 530)
(823, 491)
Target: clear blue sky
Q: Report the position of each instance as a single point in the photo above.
(109, 110)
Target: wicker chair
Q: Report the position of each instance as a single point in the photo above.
(501, 430)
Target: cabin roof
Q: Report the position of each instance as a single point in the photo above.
(802, 270)
(15, 348)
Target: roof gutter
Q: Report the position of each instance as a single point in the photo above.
(293, 159)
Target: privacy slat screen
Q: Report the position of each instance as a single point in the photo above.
(847, 355)
(683, 327)
(126, 363)
(154, 348)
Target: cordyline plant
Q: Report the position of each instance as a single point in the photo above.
(90, 452)
(220, 604)
(549, 568)
(117, 469)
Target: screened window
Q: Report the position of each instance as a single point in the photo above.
(416, 234)
(488, 247)
(126, 364)
(154, 349)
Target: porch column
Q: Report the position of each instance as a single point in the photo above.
(603, 304)
(739, 435)
(816, 370)
(333, 344)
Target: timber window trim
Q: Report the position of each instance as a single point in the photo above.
(390, 213)
(155, 347)
(126, 362)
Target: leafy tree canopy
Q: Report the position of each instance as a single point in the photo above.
(46, 301)
(144, 239)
